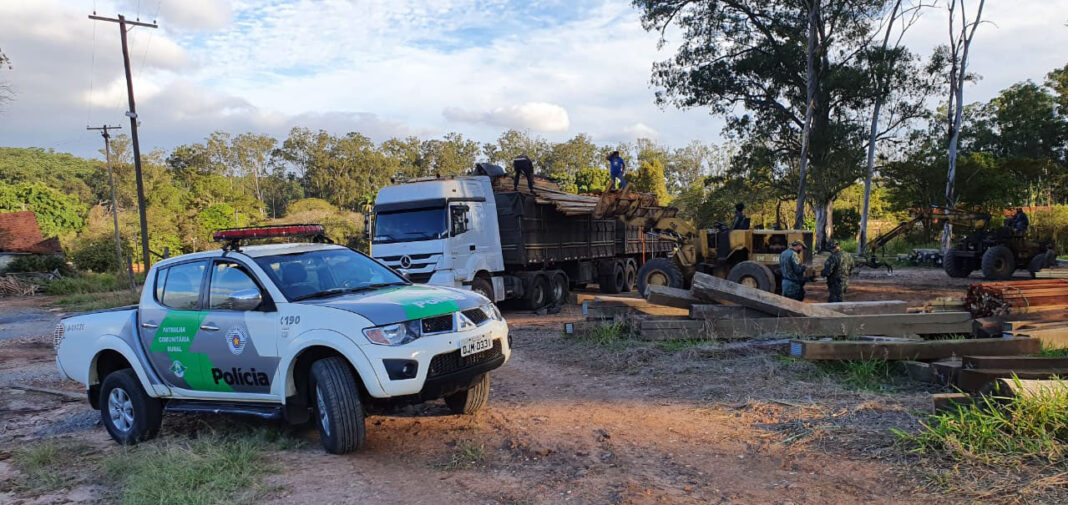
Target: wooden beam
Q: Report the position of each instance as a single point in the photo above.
(943, 402)
(717, 311)
(1027, 388)
(1055, 338)
(595, 309)
(672, 297)
(711, 288)
(987, 327)
(584, 328)
(927, 350)
(890, 325)
(1015, 362)
(978, 379)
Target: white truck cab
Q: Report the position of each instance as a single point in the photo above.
(282, 330)
(442, 232)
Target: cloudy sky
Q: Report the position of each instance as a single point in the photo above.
(387, 68)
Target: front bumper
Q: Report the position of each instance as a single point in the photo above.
(440, 369)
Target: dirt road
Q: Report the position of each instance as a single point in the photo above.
(568, 422)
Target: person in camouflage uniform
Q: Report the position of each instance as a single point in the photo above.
(837, 269)
(793, 271)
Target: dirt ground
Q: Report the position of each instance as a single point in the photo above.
(571, 422)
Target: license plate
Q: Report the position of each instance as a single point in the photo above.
(475, 345)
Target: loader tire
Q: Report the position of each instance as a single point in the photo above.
(754, 275)
(998, 263)
(659, 272)
(956, 266)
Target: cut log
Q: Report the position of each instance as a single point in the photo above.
(945, 370)
(890, 325)
(584, 328)
(919, 371)
(672, 329)
(987, 327)
(1025, 388)
(672, 297)
(596, 309)
(716, 311)
(711, 288)
(949, 402)
(978, 379)
(927, 350)
(1015, 362)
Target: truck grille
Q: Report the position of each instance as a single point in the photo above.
(450, 362)
(420, 278)
(437, 324)
(476, 316)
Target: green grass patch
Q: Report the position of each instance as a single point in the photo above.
(875, 375)
(466, 455)
(1054, 352)
(998, 430)
(606, 334)
(97, 301)
(212, 469)
(85, 283)
(45, 466)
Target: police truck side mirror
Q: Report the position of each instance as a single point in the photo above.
(245, 299)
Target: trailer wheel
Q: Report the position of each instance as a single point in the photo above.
(630, 275)
(558, 286)
(998, 263)
(658, 272)
(753, 275)
(613, 283)
(955, 266)
(538, 295)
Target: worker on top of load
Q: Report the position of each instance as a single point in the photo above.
(616, 167)
(793, 271)
(739, 217)
(523, 166)
(1019, 222)
(837, 270)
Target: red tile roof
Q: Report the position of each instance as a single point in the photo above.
(19, 232)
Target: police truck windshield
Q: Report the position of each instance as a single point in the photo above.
(409, 225)
(318, 274)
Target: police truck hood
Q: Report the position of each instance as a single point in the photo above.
(402, 303)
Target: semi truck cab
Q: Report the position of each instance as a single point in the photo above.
(442, 232)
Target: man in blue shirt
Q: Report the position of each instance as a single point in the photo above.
(616, 166)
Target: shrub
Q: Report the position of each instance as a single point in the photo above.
(97, 254)
(846, 223)
(39, 263)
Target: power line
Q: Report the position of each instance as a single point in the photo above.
(144, 55)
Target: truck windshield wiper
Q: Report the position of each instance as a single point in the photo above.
(376, 285)
(320, 294)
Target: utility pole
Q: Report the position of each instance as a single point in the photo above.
(132, 114)
(114, 201)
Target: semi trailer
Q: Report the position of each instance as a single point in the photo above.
(476, 232)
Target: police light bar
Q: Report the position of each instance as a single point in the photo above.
(260, 232)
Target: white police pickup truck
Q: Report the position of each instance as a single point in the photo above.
(282, 330)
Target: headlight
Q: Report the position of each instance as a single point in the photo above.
(394, 334)
(463, 322)
(492, 312)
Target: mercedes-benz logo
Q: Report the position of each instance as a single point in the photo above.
(406, 262)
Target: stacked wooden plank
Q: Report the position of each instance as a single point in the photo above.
(1053, 334)
(623, 204)
(1052, 273)
(1013, 298)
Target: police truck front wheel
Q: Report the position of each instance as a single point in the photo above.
(128, 413)
(471, 400)
(338, 411)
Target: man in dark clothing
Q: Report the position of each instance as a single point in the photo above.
(523, 166)
(837, 269)
(739, 217)
(1020, 222)
(616, 167)
(793, 271)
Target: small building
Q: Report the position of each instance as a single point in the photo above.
(20, 235)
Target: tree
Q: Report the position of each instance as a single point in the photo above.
(6, 93)
(591, 180)
(453, 155)
(568, 159)
(57, 213)
(748, 60)
(959, 45)
(512, 143)
(649, 178)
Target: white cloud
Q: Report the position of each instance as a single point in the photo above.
(534, 116)
(180, 14)
(641, 131)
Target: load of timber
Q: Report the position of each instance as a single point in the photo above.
(624, 204)
(1010, 298)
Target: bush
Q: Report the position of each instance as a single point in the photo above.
(86, 283)
(97, 254)
(846, 223)
(39, 263)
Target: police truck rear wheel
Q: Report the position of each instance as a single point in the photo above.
(338, 411)
(128, 413)
(754, 275)
(659, 272)
(471, 400)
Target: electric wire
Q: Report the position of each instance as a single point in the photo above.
(152, 33)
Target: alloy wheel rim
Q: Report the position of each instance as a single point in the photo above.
(324, 418)
(120, 408)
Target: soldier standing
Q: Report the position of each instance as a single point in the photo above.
(523, 166)
(837, 269)
(793, 272)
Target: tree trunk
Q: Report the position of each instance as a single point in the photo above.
(810, 96)
(966, 41)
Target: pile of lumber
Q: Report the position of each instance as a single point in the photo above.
(624, 204)
(13, 286)
(1052, 273)
(1001, 376)
(1014, 298)
(1052, 334)
(718, 309)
